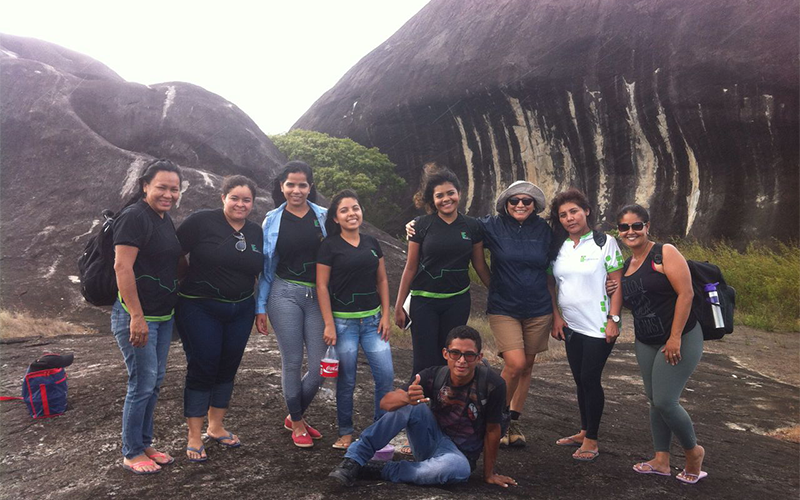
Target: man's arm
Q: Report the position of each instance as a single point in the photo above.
(399, 398)
(491, 441)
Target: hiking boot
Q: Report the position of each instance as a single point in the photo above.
(372, 470)
(347, 472)
(515, 436)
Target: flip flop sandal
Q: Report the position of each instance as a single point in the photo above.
(579, 458)
(645, 468)
(154, 456)
(568, 441)
(136, 468)
(406, 450)
(199, 451)
(339, 445)
(230, 437)
(687, 478)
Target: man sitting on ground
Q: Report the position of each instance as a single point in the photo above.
(464, 418)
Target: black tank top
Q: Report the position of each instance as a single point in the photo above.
(650, 297)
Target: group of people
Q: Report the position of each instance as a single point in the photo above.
(319, 281)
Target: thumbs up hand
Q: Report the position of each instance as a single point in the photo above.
(415, 393)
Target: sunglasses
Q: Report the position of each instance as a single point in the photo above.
(241, 243)
(636, 226)
(455, 355)
(525, 201)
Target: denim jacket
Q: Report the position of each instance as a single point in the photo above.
(271, 227)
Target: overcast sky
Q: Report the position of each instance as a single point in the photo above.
(271, 58)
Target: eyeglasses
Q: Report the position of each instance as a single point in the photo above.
(455, 355)
(241, 243)
(636, 226)
(525, 201)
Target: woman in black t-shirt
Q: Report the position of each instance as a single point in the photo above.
(146, 265)
(437, 270)
(353, 294)
(216, 308)
(657, 288)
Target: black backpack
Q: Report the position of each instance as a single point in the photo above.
(96, 265)
(704, 273)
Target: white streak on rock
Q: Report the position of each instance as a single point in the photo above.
(52, 269)
(9, 53)
(47, 230)
(769, 112)
(130, 183)
(644, 158)
(206, 178)
(184, 187)
(169, 99)
(693, 198)
(74, 279)
(514, 166)
(603, 194)
(468, 161)
(663, 130)
(496, 167)
(524, 140)
(702, 120)
(87, 233)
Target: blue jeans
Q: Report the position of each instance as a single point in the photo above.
(146, 368)
(214, 335)
(438, 460)
(349, 334)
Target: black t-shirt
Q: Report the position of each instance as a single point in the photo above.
(217, 270)
(445, 254)
(298, 242)
(650, 297)
(459, 413)
(354, 272)
(156, 265)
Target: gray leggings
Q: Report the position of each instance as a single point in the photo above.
(294, 313)
(663, 384)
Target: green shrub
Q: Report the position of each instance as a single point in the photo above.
(343, 163)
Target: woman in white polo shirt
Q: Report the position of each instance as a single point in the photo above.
(588, 320)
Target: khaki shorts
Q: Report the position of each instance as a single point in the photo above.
(530, 334)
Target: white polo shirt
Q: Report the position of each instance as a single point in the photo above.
(580, 275)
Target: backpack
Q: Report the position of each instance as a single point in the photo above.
(704, 273)
(482, 373)
(96, 265)
(44, 387)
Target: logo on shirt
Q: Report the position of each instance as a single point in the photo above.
(316, 222)
(464, 235)
(585, 258)
(254, 248)
(472, 411)
(373, 252)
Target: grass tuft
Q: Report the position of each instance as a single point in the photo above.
(20, 324)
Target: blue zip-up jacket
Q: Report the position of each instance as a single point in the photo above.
(271, 227)
(519, 265)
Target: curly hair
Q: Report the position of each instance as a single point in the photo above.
(433, 176)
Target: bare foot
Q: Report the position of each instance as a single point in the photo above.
(694, 459)
(198, 451)
(574, 440)
(159, 457)
(343, 442)
(132, 462)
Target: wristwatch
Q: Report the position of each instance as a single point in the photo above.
(613, 317)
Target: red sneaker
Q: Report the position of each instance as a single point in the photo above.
(302, 440)
(315, 434)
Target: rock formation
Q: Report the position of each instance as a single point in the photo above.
(74, 136)
(689, 108)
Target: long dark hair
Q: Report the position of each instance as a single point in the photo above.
(571, 195)
(331, 227)
(293, 167)
(148, 174)
(431, 179)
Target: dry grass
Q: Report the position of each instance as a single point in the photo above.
(402, 338)
(790, 434)
(21, 324)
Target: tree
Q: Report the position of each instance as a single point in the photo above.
(343, 163)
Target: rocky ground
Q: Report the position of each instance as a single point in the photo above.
(735, 406)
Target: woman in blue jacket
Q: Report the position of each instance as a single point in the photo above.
(293, 233)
